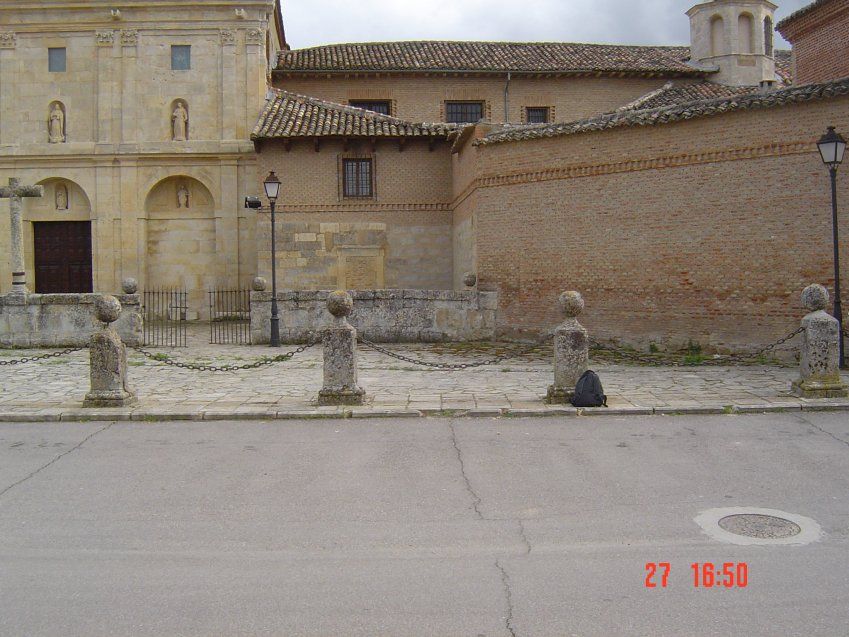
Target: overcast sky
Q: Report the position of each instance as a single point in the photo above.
(310, 23)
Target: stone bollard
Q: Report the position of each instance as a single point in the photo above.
(340, 355)
(819, 361)
(108, 360)
(571, 350)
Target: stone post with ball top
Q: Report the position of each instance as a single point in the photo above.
(571, 350)
(108, 360)
(340, 355)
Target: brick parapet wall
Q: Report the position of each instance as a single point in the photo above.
(706, 230)
(820, 40)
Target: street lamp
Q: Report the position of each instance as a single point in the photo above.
(272, 189)
(832, 147)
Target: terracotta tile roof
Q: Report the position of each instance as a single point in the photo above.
(675, 113)
(784, 66)
(287, 115)
(671, 94)
(802, 12)
(490, 57)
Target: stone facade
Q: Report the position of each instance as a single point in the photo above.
(401, 316)
(735, 36)
(118, 165)
(399, 238)
(62, 320)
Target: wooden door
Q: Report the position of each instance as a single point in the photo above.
(62, 256)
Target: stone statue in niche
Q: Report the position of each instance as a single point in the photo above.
(180, 121)
(61, 197)
(56, 125)
(182, 196)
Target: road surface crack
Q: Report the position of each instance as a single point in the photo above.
(56, 459)
(824, 431)
(524, 537)
(476, 501)
(505, 581)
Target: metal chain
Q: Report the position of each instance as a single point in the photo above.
(664, 360)
(263, 362)
(32, 359)
(453, 367)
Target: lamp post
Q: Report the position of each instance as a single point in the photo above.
(272, 189)
(832, 147)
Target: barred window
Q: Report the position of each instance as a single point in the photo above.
(181, 57)
(463, 112)
(378, 106)
(357, 178)
(538, 115)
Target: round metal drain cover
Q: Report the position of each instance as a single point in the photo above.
(766, 527)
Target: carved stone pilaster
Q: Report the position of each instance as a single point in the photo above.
(228, 36)
(105, 38)
(129, 37)
(254, 36)
(8, 40)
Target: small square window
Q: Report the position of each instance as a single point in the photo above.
(538, 115)
(357, 178)
(463, 112)
(57, 61)
(181, 57)
(377, 106)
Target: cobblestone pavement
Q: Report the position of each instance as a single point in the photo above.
(55, 387)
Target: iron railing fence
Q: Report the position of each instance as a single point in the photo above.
(230, 317)
(164, 311)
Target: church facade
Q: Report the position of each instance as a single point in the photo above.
(676, 187)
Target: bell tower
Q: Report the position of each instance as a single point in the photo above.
(735, 37)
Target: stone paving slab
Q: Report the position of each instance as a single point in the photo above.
(53, 389)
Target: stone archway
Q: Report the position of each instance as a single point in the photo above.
(59, 239)
(181, 239)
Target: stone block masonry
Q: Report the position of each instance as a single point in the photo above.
(387, 316)
(62, 320)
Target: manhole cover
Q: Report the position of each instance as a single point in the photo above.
(767, 527)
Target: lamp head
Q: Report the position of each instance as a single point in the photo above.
(832, 148)
(272, 186)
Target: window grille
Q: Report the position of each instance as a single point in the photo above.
(378, 106)
(538, 115)
(463, 112)
(357, 178)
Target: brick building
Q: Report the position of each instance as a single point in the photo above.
(678, 188)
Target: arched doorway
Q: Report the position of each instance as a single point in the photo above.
(181, 239)
(59, 224)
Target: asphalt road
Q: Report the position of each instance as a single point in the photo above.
(417, 527)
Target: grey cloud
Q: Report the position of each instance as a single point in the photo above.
(603, 21)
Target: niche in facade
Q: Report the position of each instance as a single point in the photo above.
(179, 120)
(56, 123)
(717, 36)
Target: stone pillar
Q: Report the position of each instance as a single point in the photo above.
(14, 192)
(819, 371)
(108, 360)
(340, 355)
(571, 350)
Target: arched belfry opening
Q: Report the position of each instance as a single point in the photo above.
(726, 39)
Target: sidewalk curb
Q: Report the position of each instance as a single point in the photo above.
(78, 414)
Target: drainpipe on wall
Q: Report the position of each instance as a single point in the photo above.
(507, 100)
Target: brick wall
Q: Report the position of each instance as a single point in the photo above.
(401, 238)
(421, 99)
(705, 230)
(820, 40)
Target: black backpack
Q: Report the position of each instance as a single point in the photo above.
(588, 391)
